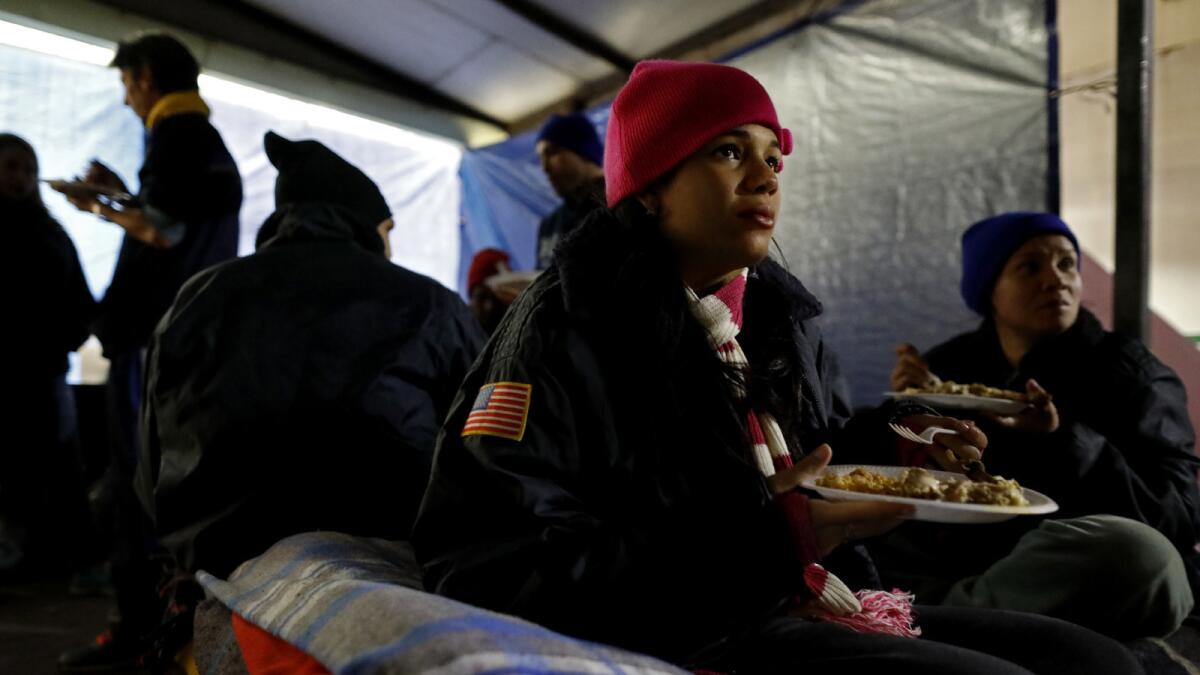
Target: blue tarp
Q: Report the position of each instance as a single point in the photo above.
(505, 196)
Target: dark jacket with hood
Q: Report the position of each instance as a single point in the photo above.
(297, 389)
(1124, 445)
(564, 219)
(630, 512)
(47, 303)
(190, 185)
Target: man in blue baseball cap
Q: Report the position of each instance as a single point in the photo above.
(573, 158)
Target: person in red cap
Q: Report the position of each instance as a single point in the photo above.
(623, 459)
(488, 304)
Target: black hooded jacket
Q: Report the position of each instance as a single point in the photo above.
(1124, 446)
(46, 302)
(630, 512)
(300, 388)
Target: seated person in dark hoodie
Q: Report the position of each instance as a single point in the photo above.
(1108, 434)
(300, 388)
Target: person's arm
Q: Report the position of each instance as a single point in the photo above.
(460, 342)
(1146, 472)
(863, 436)
(145, 223)
(138, 224)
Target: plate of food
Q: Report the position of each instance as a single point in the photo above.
(938, 496)
(978, 397)
(508, 285)
(80, 189)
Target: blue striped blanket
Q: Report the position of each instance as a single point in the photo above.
(356, 605)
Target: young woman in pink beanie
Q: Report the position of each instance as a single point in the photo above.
(619, 464)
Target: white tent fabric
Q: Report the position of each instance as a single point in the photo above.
(72, 112)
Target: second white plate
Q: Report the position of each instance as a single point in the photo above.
(1001, 406)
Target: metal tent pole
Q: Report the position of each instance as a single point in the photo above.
(1135, 64)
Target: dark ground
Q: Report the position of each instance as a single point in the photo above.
(39, 619)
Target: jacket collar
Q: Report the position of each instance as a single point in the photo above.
(315, 221)
(176, 103)
(1058, 350)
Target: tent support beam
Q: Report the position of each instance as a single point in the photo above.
(1135, 64)
(580, 39)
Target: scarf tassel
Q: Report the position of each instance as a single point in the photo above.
(882, 612)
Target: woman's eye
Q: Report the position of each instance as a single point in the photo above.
(776, 163)
(1066, 264)
(729, 151)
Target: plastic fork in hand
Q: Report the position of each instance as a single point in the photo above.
(925, 437)
(972, 467)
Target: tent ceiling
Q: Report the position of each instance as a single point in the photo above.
(506, 62)
(642, 29)
(475, 51)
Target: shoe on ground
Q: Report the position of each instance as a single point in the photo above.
(109, 653)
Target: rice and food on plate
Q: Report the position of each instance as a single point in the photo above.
(918, 483)
(949, 387)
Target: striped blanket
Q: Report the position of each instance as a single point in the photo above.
(356, 606)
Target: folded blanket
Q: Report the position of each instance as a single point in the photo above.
(356, 606)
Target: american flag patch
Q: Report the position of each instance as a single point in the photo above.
(500, 409)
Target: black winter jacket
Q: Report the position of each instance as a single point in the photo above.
(188, 178)
(43, 294)
(1124, 447)
(630, 512)
(297, 389)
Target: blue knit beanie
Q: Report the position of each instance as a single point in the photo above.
(988, 244)
(575, 133)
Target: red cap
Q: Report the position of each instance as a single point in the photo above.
(668, 110)
(487, 263)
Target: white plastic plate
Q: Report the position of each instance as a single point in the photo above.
(931, 510)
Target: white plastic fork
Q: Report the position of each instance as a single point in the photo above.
(973, 467)
(925, 437)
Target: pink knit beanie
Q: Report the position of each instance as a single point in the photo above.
(668, 110)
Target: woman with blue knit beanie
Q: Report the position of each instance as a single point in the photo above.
(1106, 435)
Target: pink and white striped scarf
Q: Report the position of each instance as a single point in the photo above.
(720, 313)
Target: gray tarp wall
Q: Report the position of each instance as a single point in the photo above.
(912, 119)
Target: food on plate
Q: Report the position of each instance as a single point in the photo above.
(949, 387)
(918, 483)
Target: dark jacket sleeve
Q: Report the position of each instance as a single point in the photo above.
(564, 528)
(461, 341)
(1143, 469)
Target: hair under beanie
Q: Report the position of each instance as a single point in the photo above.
(311, 172)
(575, 133)
(988, 244)
(668, 110)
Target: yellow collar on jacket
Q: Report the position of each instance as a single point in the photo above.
(176, 103)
